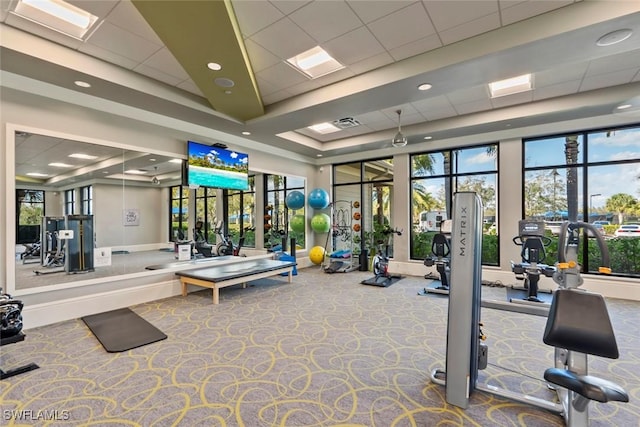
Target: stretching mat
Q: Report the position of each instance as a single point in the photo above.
(122, 329)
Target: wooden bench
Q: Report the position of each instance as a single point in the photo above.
(232, 274)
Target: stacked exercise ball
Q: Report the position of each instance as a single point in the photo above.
(318, 198)
(321, 223)
(297, 223)
(316, 255)
(295, 200)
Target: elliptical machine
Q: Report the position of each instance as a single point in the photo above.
(533, 242)
(382, 276)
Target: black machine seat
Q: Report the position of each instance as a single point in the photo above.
(571, 328)
(440, 249)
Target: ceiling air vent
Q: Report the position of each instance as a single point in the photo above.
(346, 123)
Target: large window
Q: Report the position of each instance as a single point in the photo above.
(179, 213)
(278, 218)
(435, 177)
(70, 202)
(29, 213)
(363, 190)
(206, 211)
(86, 200)
(590, 176)
(240, 209)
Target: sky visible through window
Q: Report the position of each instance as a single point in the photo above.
(603, 180)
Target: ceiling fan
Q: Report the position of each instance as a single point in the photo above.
(399, 140)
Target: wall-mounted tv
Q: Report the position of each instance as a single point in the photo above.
(210, 166)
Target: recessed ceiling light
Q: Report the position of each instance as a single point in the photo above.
(227, 92)
(315, 62)
(428, 137)
(318, 155)
(83, 156)
(424, 86)
(323, 128)
(614, 37)
(214, 66)
(510, 86)
(135, 172)
(37, 174)
(57, 15)
(246, 133)
(59, 165)
(152, 160)
(175, 161)
(80, 83)
(624, 106)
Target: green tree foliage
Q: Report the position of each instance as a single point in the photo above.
(621, 204)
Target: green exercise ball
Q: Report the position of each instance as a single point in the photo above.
(321, 223)
(297, 223)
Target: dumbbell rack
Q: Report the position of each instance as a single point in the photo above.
(21, 369)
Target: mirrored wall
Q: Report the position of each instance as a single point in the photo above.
(85, 211)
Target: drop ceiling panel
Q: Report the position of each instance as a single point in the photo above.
(260, 57)
(108, 56)
(416, 47)
(288, 6)
(608, 79)
(313, 18)
(402, 27)
(473, 106)
(514, 11)
(559, 74)
(560, 89)
(284, 39)
(371, 11)
(621, 61)
(280, 76)
(126, 16)
(470, 29)
(123, 42)
(163, 60)
(354, 46)
(450, 14)
(255, 15)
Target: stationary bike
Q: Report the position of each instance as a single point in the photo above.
(381, 261)
(225, 245)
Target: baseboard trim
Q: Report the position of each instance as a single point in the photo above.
(73, 308)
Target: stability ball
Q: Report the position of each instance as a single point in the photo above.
(318, 198)
(295, 200)
(316, 255)
(321, 223)
(297, 223)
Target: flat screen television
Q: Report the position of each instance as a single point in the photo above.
(210, 166)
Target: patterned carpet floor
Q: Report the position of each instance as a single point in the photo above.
(322, 351)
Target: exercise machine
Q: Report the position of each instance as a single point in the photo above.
(382, 276)
(568, 329)
(225, 245)
(440, 251)
(201, 244)
(533, 242)
(11, 330)
(79, 244)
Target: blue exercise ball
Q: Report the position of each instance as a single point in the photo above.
(318, 198)
(295, 200)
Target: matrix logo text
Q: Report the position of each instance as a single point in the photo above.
(29, 415)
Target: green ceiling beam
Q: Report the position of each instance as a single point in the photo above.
(199, 32)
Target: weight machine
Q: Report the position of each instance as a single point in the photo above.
(441, 251)
(573, 334)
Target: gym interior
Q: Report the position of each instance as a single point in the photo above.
(431, 231)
